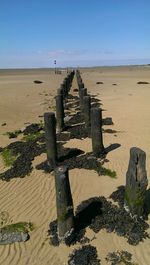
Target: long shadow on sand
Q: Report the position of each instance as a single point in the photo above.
(98, 213)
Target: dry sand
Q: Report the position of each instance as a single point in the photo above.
(33, 198)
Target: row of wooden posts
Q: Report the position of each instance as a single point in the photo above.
(136, 178)
(50, 120)
(93, 124)
(92, 118)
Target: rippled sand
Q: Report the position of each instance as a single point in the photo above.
(33, 198)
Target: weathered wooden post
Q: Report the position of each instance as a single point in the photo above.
(87, 111)
(64, 203)
(60, 91)
(59, 113)
(136, 182)
(80, 85)
(82, 94)
(50, 135)
(96, 131)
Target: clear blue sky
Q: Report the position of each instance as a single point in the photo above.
(33, 33)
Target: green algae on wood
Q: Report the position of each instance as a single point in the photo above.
(136, 182)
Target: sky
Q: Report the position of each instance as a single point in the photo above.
(34, 33)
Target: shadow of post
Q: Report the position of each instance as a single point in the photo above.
(112, 147)
(87, 212)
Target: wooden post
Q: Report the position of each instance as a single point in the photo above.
(87, 111)
(136, 182)
(96, 131)
(83, 93)
(65, 82)
(64, 203)
(59, 113)
(60, 91)
(50, 135)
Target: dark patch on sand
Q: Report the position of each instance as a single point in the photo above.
(99, 83)
(98, 213)
(142, 83)
(38, 82)
(86, 255)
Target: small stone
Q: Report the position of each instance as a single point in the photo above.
(107, 121)
(9, 237)
(38, 82)
(142, 83)
(99, 83)
(75, 90)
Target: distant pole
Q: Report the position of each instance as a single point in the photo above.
(55, 65)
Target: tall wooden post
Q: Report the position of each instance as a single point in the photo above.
(87, 111)
(136, 182)
(59, 113)
(96, 131)
(50, 135)
(64, 203)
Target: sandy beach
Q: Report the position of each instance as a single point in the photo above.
(32, 198)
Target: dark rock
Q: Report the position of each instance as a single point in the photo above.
(107, 121)
(99, 83)
(109, 131)
(114, 84)
(4, 124)
(9, 237)
(75, 90)
(142, 83)
(38, 82)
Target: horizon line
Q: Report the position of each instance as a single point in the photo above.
(65, 67)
